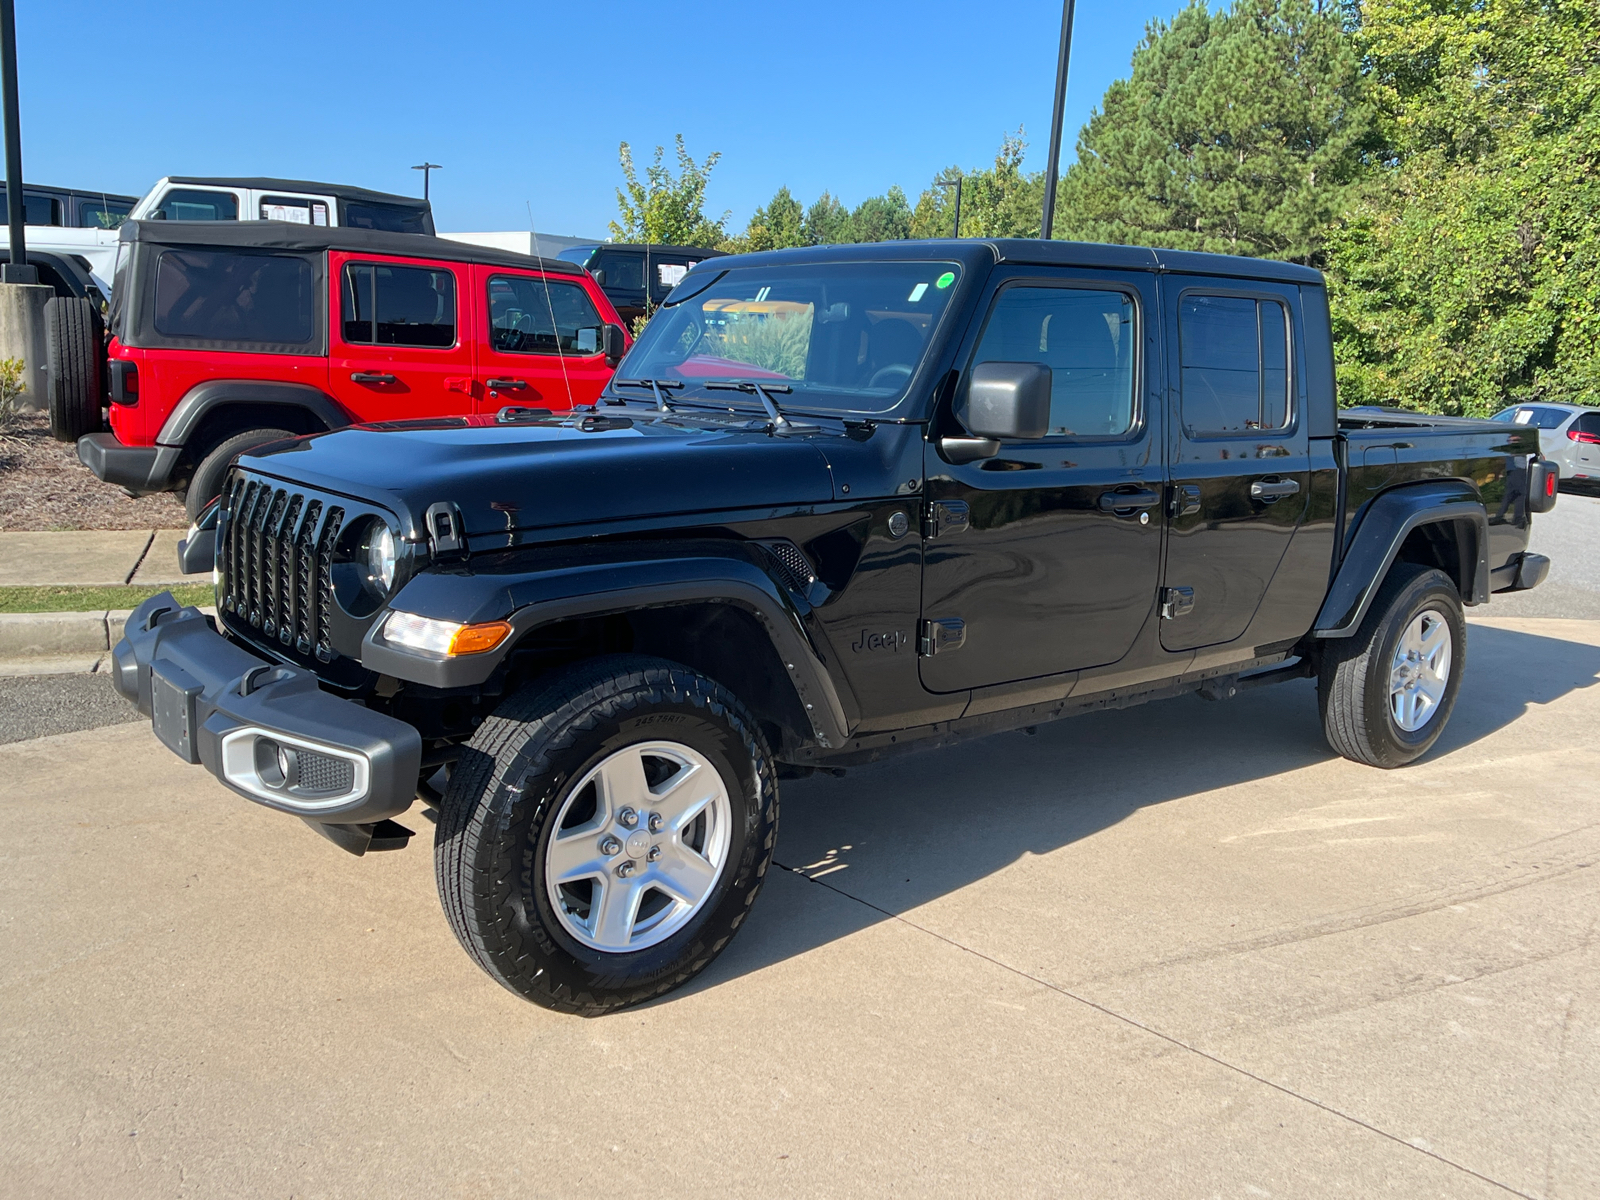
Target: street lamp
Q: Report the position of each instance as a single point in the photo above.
(18, 270)
(955, 226)
(427, 168)
(1053, 169)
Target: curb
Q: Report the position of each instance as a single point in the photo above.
(60, 642)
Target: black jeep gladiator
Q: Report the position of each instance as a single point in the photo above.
(836, 503)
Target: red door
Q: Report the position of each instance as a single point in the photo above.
(542, 339)
(400, 345)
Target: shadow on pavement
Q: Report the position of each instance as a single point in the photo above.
(901, 833)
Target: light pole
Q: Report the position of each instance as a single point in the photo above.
(1053, 169)
(955, 226)
(427, 168)
(18, 270)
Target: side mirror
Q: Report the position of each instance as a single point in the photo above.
(599, 275)
(1007, 400)
(615, 343)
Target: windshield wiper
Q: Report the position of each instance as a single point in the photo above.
(657, 386)
(762, 392)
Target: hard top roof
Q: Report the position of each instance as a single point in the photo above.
(281, 235)
(342, 191)
(977, 252)
(652, 248)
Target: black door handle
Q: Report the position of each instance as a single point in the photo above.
(505, 385)
(1267, 492)
(372, 377)
(1119, 501)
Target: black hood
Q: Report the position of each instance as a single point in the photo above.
(550, 474)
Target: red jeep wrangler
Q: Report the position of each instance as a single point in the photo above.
(226, 336)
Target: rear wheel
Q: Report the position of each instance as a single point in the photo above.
(74, 349)
(1387, 692)
(206, 482)
(606, 832)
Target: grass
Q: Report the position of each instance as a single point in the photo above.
(95, 599)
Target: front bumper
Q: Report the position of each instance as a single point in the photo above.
(266, 730)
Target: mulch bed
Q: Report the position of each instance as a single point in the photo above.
(43, 486)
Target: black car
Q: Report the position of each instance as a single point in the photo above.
(836, 504)
(637, 277)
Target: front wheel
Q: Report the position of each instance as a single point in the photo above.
(605, 833)
(206, 482)
(1386, 693)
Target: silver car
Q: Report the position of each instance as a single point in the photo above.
(1569, 435)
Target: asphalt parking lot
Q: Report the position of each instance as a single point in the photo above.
(1180, 950)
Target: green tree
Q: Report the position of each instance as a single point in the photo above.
(827, 222)
(885, 218)
(777, 225)
(1241, 132)
(665, 208)
(1468, 275)
(1002, 201)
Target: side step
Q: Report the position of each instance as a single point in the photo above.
(358, 839)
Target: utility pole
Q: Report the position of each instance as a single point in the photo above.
(18, 270)
(1052, 170)
(427, 168)
(955, 226)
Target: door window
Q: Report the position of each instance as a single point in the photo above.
(106, 214)
(296, 210)
(1235, 353)
(390, 217)
(536, 316)
(189, 204)
(624, 272)
(386, 305)
(1085, 337)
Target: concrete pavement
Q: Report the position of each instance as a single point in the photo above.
(1179, 950)
(97, 558)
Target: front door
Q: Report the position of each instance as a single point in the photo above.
(543, 343)
(398, 348)
(1045, 558)
(1240, 453)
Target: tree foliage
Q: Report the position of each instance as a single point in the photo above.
(1468, 275)
(664, 208)
(1002, 201)
(1238, 132)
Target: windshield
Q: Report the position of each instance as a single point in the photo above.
(843, 336)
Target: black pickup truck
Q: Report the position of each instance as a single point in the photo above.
(837, 503)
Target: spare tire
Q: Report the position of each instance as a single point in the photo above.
(74, 351)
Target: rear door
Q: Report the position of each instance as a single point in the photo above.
(398, 346)
(540, 340)
(1045, 558)
(1240, 452)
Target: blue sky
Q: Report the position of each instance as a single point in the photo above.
(522, 108)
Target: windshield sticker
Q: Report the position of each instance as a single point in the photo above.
(671, 274)
(945, 280)
(917, 293)
(1523, 416)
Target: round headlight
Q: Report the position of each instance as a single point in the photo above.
(380, 556)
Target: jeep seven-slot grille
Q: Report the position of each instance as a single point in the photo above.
(275, 563)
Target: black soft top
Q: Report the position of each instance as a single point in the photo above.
(282, 235)
(340, 191)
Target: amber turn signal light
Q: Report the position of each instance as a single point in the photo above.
(477, 639)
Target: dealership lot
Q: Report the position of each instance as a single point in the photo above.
(1179, 950)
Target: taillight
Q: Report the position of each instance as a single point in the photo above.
(1588, 439)
(124, 381)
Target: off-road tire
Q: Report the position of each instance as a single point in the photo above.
(1353, 679)
(206, 482)
(509, 786)
(74, 339)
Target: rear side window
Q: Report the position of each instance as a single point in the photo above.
(1539, 416)
(1235, 363)
(1589, 422)
(36, 209)
(1086, 339)
(398, 306)
(234, 296)
(532, 316)
(102, 214)
(668, 274)
(390, 217)
(624, 272)
(182, 204)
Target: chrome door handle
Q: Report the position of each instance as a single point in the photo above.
(1267, 492)
(1128, 501)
